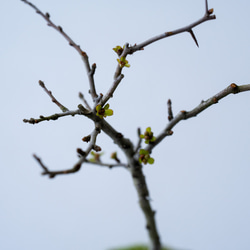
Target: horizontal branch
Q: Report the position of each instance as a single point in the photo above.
(52, 117)
(187, 28)
(109, 165)
(184, 115)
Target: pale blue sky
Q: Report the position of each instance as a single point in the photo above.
(199, 183)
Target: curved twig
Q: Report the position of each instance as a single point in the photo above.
(79, 163)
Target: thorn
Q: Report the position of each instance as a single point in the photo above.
(193, 36)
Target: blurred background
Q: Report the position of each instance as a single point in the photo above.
(199, 184)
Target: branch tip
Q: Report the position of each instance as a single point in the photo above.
(170, 112)
(41, 83)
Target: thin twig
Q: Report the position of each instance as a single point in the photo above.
(206, 6)
(131, 49)
(77, 165)
(81, 96)
(125, 144)
(53, 99)
(171, 33)
(83, 54)
(170, 112)
(111, 91)
(109, 165)
(52, 117)
(124, 53)
(139, 140)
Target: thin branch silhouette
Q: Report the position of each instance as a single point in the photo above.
(131, 151)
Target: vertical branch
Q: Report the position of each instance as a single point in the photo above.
(90, 72)
(206, 6)
(170, 112)
(144, 201)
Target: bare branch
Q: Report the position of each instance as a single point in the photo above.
(81, 96)
(124, 143)
(79, 163)
(52, 174)
(206, 6)
(136, 172)
(111, 165)
(139, 140)
(52, 117)
(53, 99)
(110, 92)
(46, 16)
(131, 152)
(83, 54)
(91, 72)
(187, 28)
(144, 201)
(184, 115)
(131, 49)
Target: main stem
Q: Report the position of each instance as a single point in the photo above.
(135, 169)
(143, 195)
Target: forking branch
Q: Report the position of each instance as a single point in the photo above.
(84, 56)
(127, 49)
(184, 115)
(97, 114)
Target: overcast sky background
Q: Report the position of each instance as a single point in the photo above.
(199, 183)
